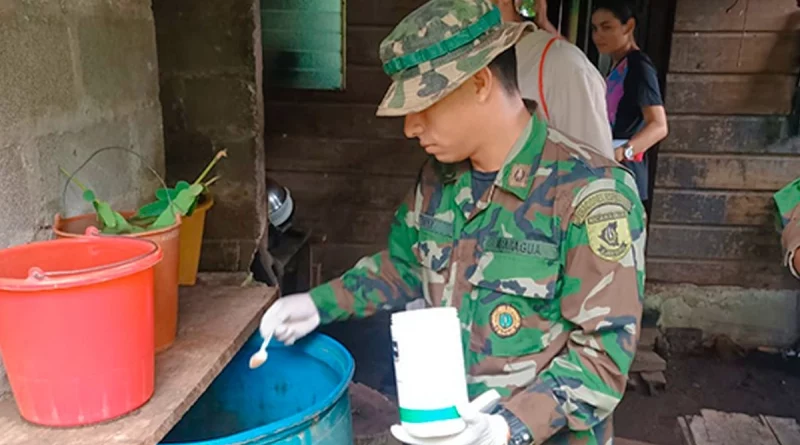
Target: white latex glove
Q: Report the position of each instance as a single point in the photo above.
(482, 428)
(290, 318)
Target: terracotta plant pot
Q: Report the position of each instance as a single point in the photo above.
(165, 282)
(192, 241)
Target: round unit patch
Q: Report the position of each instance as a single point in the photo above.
(505, 320)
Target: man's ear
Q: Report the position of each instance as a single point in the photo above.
(630, 26)
(483, 81)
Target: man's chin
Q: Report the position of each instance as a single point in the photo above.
(445, 158)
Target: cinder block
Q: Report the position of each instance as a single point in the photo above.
(171, 94)
(238, 198)
(219, 256)
(221, 107)
(247, 252)
(205, 36)
(130, 9)
(118, 60)
(17, 209)
(36, 75)
(147, 138)
(108, 174)
(7, 8)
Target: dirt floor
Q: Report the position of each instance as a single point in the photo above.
(758, 384)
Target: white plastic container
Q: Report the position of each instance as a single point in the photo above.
(429, 368)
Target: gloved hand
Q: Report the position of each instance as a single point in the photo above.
(290, 318)
(482, 428)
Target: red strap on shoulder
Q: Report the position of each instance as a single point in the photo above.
(541, 77)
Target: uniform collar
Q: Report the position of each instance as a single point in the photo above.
(517, 173)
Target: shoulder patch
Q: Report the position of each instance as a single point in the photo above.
(605, 214)
(609, 234)
(598, 199)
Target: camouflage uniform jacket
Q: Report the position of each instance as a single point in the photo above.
(787, 201)
(546, 269)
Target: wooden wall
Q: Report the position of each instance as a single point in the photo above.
(732, 75)
(346, 168)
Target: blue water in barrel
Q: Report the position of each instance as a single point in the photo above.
(298, 397)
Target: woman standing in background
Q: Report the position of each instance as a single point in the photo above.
(635, 107)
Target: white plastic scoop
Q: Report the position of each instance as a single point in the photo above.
(260, 357)
(267, 328)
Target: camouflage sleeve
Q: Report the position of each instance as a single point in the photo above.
(386, 280)
(601, 294)
(787, 204)
(790, 238)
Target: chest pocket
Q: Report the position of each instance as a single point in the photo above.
(434, 251)
(515, 309)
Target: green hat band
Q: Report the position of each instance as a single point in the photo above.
(463, 37)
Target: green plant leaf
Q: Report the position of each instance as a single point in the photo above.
(152, 209)
(88, 196)
(164, 197)
(105, 214)
(181, 204)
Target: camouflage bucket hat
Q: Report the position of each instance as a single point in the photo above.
(437, 47)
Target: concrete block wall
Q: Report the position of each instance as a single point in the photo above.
(76, 76)
(211, 91)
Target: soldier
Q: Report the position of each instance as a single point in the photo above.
(536, 238)
(788, 204)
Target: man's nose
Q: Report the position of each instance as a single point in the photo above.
(413, 125)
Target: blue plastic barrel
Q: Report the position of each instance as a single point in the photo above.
(298, 397)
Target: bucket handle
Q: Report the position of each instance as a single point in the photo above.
(97, 152)
(36, 273)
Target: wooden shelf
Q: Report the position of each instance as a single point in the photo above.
(216, 317)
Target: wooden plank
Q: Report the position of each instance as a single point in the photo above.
(337, 258)
(647, 339)
(754, 273)
(368, 12)
(729, 94)
(726, 172)
(727, 134)
(364, 85)
(343, 121)
(656, 382)
(215, 321)
(346, 224)
(634, 382)
(714, 243)
(736, 15)
(728, 52)
(386, 157)
(622, 441)
(322, 190)
(648, 361)
(771, 15)
(786, 430)
(699, 432)
(710, 15)
(712, 207)
(735, 428)
(684, 431)
(363, 44)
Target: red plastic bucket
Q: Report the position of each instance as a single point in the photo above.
(76, 327)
